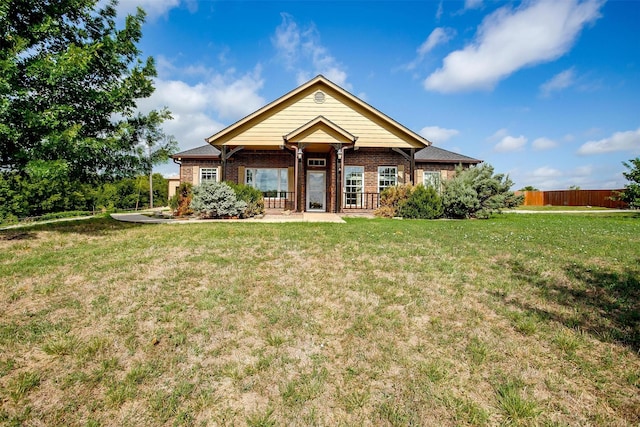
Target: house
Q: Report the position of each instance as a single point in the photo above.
(174, 183)
(319, 148)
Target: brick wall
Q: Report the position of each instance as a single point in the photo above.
(371, 159)
(190, 169)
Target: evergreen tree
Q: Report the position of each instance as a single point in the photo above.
(476, 193)
(631, 193)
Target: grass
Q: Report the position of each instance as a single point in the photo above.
(516, 320)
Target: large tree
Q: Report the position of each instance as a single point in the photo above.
(69, 81)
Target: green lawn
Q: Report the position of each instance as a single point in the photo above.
(520, 319)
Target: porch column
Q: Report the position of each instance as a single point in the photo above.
(413, 166)
(340, 153)
(224, 163)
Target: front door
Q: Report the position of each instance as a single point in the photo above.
(316, 191)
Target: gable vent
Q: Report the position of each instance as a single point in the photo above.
(318, 97)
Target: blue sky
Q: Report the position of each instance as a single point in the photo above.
(547, 91)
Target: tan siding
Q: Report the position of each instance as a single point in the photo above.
(196, 175)
(320, 136)
(348, 116)
(419, 176)
(290, 180)
(241, 175)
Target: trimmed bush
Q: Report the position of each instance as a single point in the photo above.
(251, 196)
(391, 198)
(423, 203)
(216, 200)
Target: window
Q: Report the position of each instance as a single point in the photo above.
(317, 162)
(387, 177)
(353, 186)
(432, 179)
(272, 182)
(208, 174)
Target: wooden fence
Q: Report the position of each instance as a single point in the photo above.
(600, 198)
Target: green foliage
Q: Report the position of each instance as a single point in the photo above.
(631, 193)
(69, 84)
(180, 203)
(422, 203)
(216, 200)
(529, 188)
(391, 198)
(46, 190)
(251, 196)
(476, 193)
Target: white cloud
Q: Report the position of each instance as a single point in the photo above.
(197, 109)
(472, 4)
(233, 97)
(558, 82)
(540, 144)
(508, 40)
(154, 8)
(510, 143)
(438, 135)
(303, 53)
(439, 11)
(546, 172)
(438, 36)
(498, 135)
(619, 141)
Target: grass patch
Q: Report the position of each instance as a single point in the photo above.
(519, 319)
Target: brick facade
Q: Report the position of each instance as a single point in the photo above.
(369, 158)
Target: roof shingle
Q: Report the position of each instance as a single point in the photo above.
(439, 155)
(204, 151)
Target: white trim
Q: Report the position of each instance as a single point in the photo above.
(324, 191)
(315, 162)
(209, 171)
(283, 178)
(360, 170)
(395, 176)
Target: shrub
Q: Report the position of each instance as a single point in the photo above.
(476, 193)
(216, 200)
(423, 203)
(180, 203)
(391, 198)
(251, 196)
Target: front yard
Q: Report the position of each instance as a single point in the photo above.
(520, 319)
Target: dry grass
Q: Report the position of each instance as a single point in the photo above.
(518, 320)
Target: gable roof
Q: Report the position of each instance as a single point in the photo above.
(318, 97)
(320, 126)
(438, 155)
(206, 151)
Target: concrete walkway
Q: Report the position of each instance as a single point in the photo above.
(295, 217)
